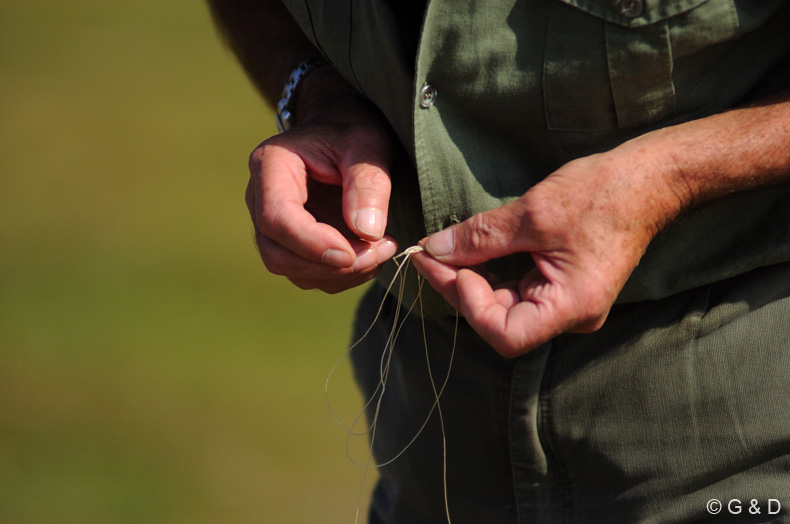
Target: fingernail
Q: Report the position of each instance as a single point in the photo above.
(441, 244)
(365, 260)
(370, 221)
(336, 258)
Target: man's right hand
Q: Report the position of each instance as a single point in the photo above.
(318, 194)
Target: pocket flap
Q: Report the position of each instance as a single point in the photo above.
(634, 13)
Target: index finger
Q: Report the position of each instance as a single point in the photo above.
(511, 327)
(277, 197)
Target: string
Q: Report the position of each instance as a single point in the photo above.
(437, 395)
(402, 261)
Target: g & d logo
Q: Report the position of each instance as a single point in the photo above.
(736, 507)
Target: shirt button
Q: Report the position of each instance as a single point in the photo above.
(632, 8)
(427, 96)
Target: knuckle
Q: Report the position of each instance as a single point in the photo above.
(542, 216)
(480, 233)
(330, 287)
(334, 290)
(271, 256)
(304, 285)
(589, 327)
(508, 349)
(371, 179)
(270, 220)
(595, 325)
(249, 197)
(273, 265)
(548, 223)
(493, 229)
(369, 184)
(256, 158)
(593, 315)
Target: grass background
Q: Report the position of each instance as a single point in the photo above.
(150, 370)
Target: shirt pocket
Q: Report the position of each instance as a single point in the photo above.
(610, 63)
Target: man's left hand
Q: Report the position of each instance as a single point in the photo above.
(586, 227)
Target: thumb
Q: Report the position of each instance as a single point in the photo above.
(482, 237)
(366, 194)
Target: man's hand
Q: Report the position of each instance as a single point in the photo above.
(586, 227)
(588, 224)
(318, 194)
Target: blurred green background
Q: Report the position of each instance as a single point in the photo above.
(150, 370)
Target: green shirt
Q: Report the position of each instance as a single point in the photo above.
(503, 92)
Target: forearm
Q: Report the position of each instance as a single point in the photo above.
(270, 44)
(707, 159)
(266, 40)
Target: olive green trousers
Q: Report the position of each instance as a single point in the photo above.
(676, 411)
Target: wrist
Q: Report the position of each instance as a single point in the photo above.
(659, 179)
(325, 93)
(713, 157)
(326, 102)
(287, 101)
